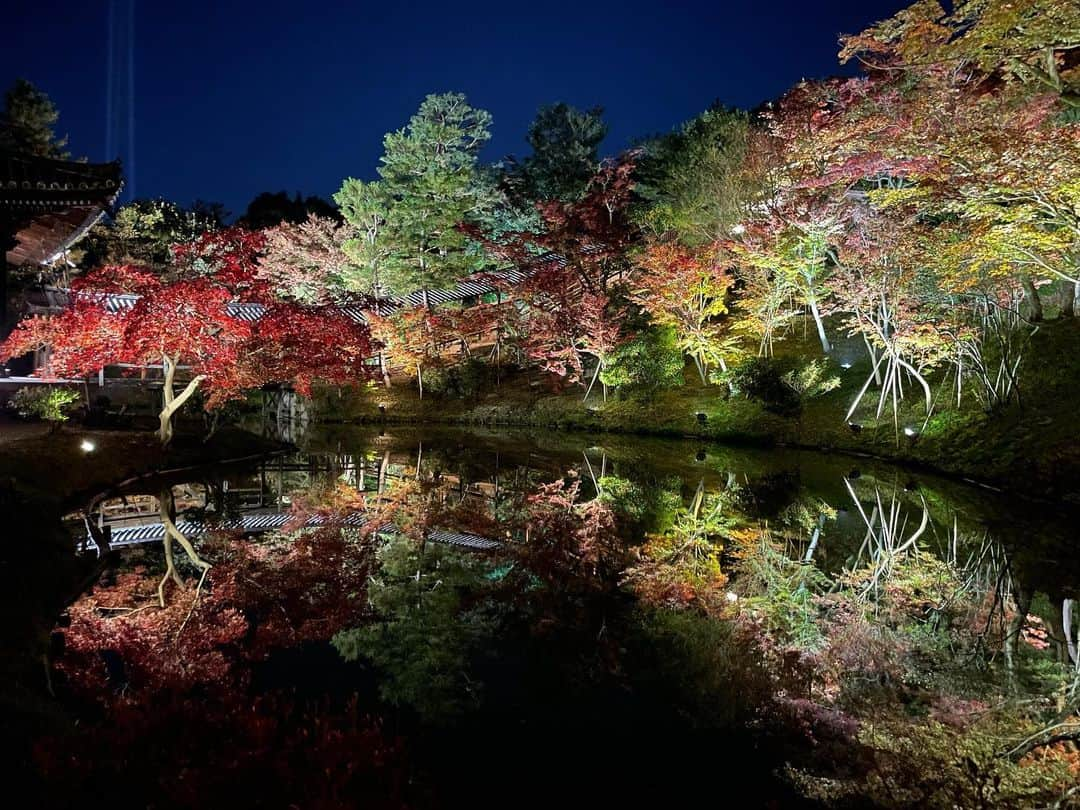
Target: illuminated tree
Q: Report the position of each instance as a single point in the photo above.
(307, 262)
(571, 267)
(765, 305)
(695, 181)
(586, 240)
(687, 291)
(193, 322)
(365, 208)
(432, 185)
(410, 340)
(881, 291)
(1028, 41)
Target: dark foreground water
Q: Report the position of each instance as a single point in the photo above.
(544, 619)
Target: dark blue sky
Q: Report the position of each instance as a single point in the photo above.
(235, 98)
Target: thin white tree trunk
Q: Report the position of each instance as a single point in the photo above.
(596, 373)
(825, 347)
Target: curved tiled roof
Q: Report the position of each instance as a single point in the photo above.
(50, 204)
(43, 184)
(484, 285)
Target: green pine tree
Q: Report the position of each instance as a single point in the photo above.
(565, 143)
(27, 123)
(432, 184)
(365, 207)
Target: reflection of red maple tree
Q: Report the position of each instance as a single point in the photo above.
(217, 732)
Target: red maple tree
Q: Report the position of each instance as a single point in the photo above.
(212, 317)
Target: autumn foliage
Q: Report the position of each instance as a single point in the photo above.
(214, 317)
(184, 676)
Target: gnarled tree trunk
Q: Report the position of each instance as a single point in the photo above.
(167, 510)
(173, 402)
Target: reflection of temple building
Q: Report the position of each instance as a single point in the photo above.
(46, 206)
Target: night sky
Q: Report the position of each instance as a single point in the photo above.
(236, 98)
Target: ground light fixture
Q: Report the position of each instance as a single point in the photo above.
(87, 446)
(910, 432)
(846, 364)
(702, 417)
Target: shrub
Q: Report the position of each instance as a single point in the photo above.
(48, 404)
(647, 363)
(761, 379)
(462, 381)
(781, 392)
(811, 380)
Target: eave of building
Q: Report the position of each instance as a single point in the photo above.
(53, 203)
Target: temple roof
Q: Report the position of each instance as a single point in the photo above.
(45, 300)
(43, 184)
(50, 203)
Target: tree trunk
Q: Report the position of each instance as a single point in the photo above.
(592, 382)
(1032, 296)
(825, 347)
(384, 369)
(173, 402)
(1071, 642)
(700, 364)
(167, 510)
(384, 467)
(1023, 605)
(1068, 299)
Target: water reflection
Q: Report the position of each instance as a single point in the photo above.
(625, 589)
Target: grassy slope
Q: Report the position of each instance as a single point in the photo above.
(1031, 448)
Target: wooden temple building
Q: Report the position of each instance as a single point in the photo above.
(46, 206)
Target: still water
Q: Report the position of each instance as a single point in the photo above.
(540, 616)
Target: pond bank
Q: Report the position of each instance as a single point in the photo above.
(1030, 451)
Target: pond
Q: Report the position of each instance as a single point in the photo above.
(437, 617)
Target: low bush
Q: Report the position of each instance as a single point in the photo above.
(761, 379)
(45, 403)
(462, 381)
(646, 364)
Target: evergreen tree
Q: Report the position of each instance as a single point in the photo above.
(565, 143)
(694, 181)
(432, 185)
(272, 208)
(27, 123)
